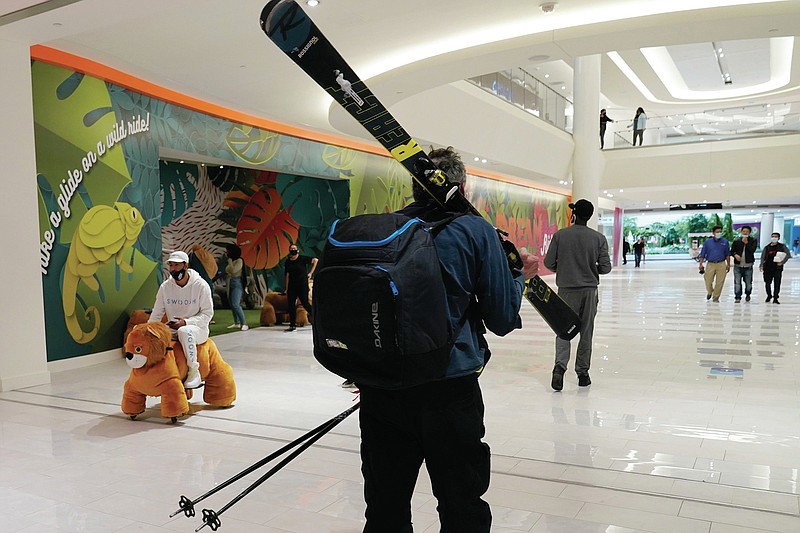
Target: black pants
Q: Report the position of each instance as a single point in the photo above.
(440, 423)
(773, 276)
(293, 292)
(602, 136)
(638, 258)
(640, 134)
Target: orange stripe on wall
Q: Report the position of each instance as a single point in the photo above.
(63, 59)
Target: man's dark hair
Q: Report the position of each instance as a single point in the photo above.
(449, 162)
(746, 227)
(715, 228)
(776, 234)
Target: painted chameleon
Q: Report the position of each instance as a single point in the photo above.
(104, 233)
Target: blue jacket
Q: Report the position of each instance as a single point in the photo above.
(474, 266)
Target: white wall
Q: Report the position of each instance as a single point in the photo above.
(23, 359)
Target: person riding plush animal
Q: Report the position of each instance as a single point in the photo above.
(186, 299)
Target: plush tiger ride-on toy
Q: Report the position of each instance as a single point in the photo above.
(158, 368)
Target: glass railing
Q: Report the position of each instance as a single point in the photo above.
(521, 89)
(712, 125)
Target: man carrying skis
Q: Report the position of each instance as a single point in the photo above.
(441, 422)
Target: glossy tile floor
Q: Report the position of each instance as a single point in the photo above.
(692, 424)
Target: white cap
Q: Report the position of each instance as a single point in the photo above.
(178, 257)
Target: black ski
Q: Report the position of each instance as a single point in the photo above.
(288, 26)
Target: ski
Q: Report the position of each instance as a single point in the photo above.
(290, 28)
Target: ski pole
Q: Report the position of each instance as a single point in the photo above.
(211, 517)
(187, 506)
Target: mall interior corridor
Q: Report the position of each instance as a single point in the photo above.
(691, 425)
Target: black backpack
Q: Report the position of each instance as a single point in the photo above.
(380, 308)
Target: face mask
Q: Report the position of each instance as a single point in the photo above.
(717, 235)
(293, 252)
(177, 276)
(773, 239)
(745, 235)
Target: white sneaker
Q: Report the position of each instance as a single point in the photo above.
(245, 327)
(192, 380)
(234, 326)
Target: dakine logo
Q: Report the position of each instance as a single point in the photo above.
(308, 45)
(376, 326)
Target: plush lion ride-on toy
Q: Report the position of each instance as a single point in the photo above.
(158, 368)
(276, 309)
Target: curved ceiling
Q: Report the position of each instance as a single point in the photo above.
(215, 51)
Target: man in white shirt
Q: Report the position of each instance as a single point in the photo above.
(186, 299)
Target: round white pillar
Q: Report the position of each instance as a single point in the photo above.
(587, 159)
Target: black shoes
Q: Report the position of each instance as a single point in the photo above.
(708, 296)
(558, 378)
(583, 380)
(775, 300)
(290, 328)
(737, 300)
(768, 299)
(747, 298)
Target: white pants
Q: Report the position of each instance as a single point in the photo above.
(190, 337)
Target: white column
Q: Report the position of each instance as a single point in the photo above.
(587, 160)
(767, 223)
(23, 358)
(777, 227)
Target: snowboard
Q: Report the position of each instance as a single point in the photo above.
(288, 26)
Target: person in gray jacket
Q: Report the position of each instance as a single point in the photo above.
(578, 255)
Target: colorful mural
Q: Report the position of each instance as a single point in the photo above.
(109, 207)
(530, 216)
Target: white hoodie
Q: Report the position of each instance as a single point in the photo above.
(192, 302)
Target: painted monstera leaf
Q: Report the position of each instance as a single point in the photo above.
(72, 114)
(313, 201)
(265, 231)
(177, 189)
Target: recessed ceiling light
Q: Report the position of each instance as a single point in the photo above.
(538, 57)
(312, 3)
(483, 161)
(704, 185)
(477, 158)
(181, 161)
(547, 75)
(665, 203)
(754, 201)
(563, 87)
(620, 190)
(221, 166)
(722, 185)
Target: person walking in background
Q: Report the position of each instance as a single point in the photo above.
(717, 253)
(626, 249)
(578, 255)
(297, 276)
(603, 120)
(773, 257)
(743, 251)
(234, 270)
(638, 251)
(639, 125)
